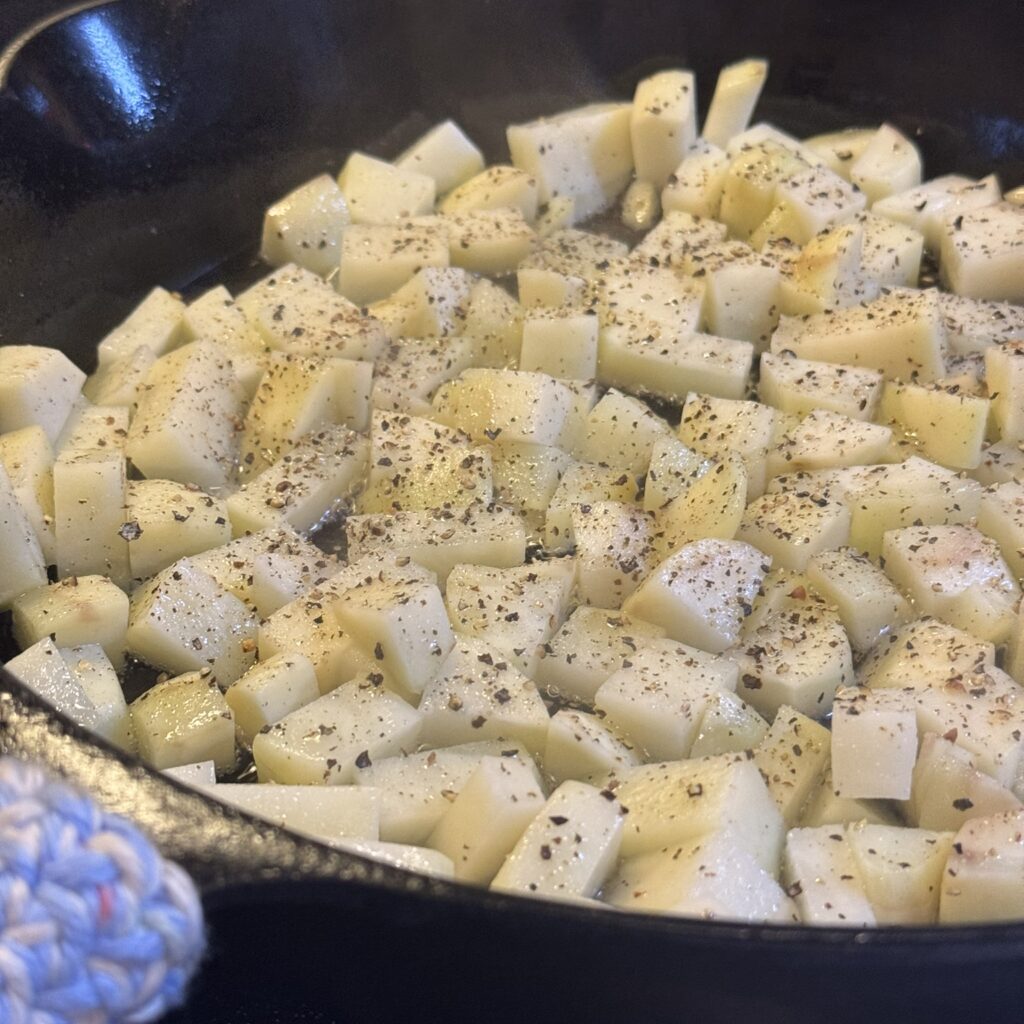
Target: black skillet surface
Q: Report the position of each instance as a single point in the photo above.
(139, 142)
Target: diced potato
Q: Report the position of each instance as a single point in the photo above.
(728, 726)
(975, 325)
(182, 621)
(889, 163)
(615, 550)
(557, 214)
(663, 123)
(671, 241)
(659, 698)
(748, 192)
(526, 476)
(956, 574)
(155, 324)
(119, 382)
(711, 505)
(590, 646)
(621, 432)
(94, 672)
(868, 603)
(792, 757)
(891, 253)
(699, 595)
(432, 304)
(569, 848)
(981, 255)
(826, 807)
(184, 424)
(381, 193)
(43, 669)
(981, 880)
(580, 745)
(687, 800)
(184, 720)
(874, 743)
(494, 324)
(584, 483)
(490, 242)
(377, 259)
(548, 289)
(695, 186)
(336, 815)
(641, 205)
(214, 316)
(1004, 369)
(199, 773)
(323, 742)
(38, 387)
(825, 440)
(407, 374)
(821, 871)
(93, 426)
(584, 154)
(270, 690)
(1001, 518)
(488, 816)
(22, 565)
(561, 344)
(442, 538)
(797, 658)
(306, 483)
(840, 149)
(478, 694)
(791, 530)
(77, 610)
(496, 188)
(576, 253)
(445, 154)
(305, 227)
(27, 457)
(802, 385)
(736, 94)
(807, 203)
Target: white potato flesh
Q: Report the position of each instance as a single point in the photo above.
(975, 325)
(93, 426)
(27, 458)
(496, 188)
(825, 439)
(658, 698)
(155, 324)
(494, 324)
(980, 253)
(577, 253)
(888, 164)
(322, 743)
(821, 872)
(329, 815)
(982, 877)
(802, 385)
(199, 773)
(514, 610)
(709, 879)
(440, 539)
(479, 694)
(826, 807)
(77, 610)
(580, 745)
(840, 149)
(310, 480)
(89, 497)
(43, 669)
(728, 726)
(869, 604)
(791, 530)
(183, 621)
(792, 757)
(891, 252)
(414, 790)
(167, 520)
(874, 743)
(948, 789)
(214, 316)
(548, 289)
(184, 423)
(38, 387)
(956, 574)
(381, 193)
(446, 154)
(377, 259)
(1001, 518)
(432, 304)
(119, 382)
(736, 93)
(270, 690)
(748, 193)
(490, 242)
(400, 855)
(96, 675)
(807, 203)
(184, 720)
(526, 476)
(797, 658)
(22, 566)
(569, 848)
(583, 483)
(670, 242)
(672, 802)
(615, 550)
(590, 646)
(583, 154)
(1004, 369)
(1001, 461)
(305, 226)
(672, 469)
(663, 123)
(695, 185)
(486, 819)
(699, 595)
(641, 206)
(557, 214)
(561, 344)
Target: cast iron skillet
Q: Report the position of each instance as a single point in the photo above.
(139, 142)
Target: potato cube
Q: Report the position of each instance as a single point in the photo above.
(490, 242)
(736, 93)
(27, 457)
(820, 869)
(802, 385)
(377, 259)
(584, 483)
(695, 185)
(621, 432)
(445, 154)
(728, 726)
(755, 169)
(1001, 518)
(325, 741)
(981, 255)
(1004, 371)
(120, 382)
(496, 188)
(43, 670)
(22, 565)
(792, 757)
(982, 877)
(184, 720)
(305, 227)
(182, 621)
(615, 550)
(95, 674)
(825, 439)
(270, 690)
(562, 344)
(791, 529)
(840, 149)
(488, 816)
(663, 123)
(38, 386)
(93, 426)
(580, 745)
(155, 324)
(888, 164)
(381, 193)
(569, 848)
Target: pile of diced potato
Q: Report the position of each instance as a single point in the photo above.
(760, 660)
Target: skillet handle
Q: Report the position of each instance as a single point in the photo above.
(220, 847)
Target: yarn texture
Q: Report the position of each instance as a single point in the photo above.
(95, 926)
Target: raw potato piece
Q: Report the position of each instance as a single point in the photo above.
(77, 610)
(981, 254)
(305, 227)
(154, 324)
(792, 757)
(562, 344)
(183, 621)
(874, 743)
(22, 566)
(584, 483)
(663, 124)
(614, 551)
(808, 202)
(490, 242)
(621, 432)
(38, 387)
(827, 440)
(444, 154)
(728, 727)
(736, 93)
(821, 871)
(27, 457)
(1004, 371)
(93, 671)
(889, 163)
(700, 594)
(269, 691)
(982, 877)
(954, 573)
(1001, 518)
(325, 741)
(377, 259)
(695, 186)
(44, 671)
(184, 720)
(496, 188)
(800, 386)
(791, 530)
(569, 848)
(488, 816)
(580, 745)
(381, 193)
